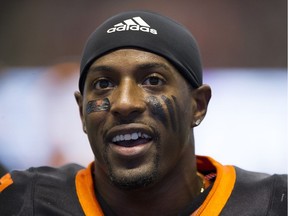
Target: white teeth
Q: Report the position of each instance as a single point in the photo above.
(127, 136)
(132, 136)
(145, 136)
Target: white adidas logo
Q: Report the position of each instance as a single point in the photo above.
(134, 24)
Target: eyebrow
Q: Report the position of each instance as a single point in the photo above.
(140, 67)
(152, 66)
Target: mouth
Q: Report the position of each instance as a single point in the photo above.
(130, 140)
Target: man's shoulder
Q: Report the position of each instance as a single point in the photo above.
(56, 173)
(19, 189)
(46, 172)
(256, 181)
(43, 173)
(258, 193)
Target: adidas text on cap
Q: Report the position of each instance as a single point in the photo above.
(134, 24)
(147, 31)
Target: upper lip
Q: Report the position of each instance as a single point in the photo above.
(128, 129)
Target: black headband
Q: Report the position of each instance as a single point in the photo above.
(147, 31)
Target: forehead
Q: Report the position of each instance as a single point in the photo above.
(132, 57)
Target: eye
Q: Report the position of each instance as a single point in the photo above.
(103, 83)
(154, 81)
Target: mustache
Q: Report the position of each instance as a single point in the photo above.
(117, 122)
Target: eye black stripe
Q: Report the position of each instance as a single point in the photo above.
(170, 110)
(156, 109)
(98, 105)
(178, 113)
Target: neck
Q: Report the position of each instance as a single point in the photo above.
(171, 194)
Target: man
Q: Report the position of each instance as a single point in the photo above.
(141, 95)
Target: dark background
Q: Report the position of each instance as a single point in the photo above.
(231, 33)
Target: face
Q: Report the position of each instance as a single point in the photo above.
(137, 111)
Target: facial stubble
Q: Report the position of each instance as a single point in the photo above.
(134, 178)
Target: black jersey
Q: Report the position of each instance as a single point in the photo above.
(69, 190)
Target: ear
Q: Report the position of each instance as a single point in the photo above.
(79, 100)
(201, 97)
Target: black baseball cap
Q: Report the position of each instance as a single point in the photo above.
(147, 31)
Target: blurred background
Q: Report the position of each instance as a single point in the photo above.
(244, 53)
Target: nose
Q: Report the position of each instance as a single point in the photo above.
(127, 100)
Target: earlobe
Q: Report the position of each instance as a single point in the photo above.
(79, 100)
(201, 97)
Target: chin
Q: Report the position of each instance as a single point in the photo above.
(135, 182)
(136, 178)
